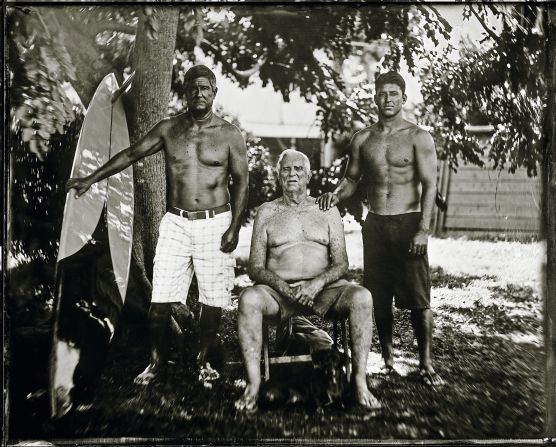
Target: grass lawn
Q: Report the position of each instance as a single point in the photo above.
(487, 346)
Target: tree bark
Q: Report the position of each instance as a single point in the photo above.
(549, 181)
(150, 95)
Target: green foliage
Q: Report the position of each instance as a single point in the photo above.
(292, 47)
(327, 179)
(38, 64)
(263, 186)
(262, 176)
(37, 193)
(296, 47)
(501, 82)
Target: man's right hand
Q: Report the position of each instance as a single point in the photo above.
(328, 200)
(81, 185)
(306, 291)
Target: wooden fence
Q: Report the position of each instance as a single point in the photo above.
(490, 202)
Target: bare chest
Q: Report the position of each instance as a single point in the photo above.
(205, 147)
(291, 226)
(388, 151)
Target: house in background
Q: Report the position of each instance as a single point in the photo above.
(280, 125)
(293, 125)
(481, 201)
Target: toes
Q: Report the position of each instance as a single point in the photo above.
(431, 378)
(437, 380)
(372, 403)
(246, 404)
(143, 380)
(145, 377)
(368, 401)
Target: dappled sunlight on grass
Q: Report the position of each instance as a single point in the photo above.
(487, 347)
(406, 364)
(523, 338)
(460, 298)
(509, 262)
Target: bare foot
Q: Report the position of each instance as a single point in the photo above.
(147, 375)
(389, 370)
(247, 403)
(429, 377)
(388, 363)
(365, 398)
(207, 375)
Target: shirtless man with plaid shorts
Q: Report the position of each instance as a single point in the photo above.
(200, 229)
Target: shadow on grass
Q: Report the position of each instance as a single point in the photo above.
(495, 386)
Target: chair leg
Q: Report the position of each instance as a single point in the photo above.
(266, 360)
(345, 344)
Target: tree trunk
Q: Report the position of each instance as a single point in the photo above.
(150, 95)
(549, 182)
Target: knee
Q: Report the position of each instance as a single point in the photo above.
(361, 299)
(249, 300)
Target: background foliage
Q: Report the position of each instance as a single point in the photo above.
(291, 47)
(498, 82)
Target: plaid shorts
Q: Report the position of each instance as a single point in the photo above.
(187, 246)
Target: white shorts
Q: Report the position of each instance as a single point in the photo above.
(186, 246)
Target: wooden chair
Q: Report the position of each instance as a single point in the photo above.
(282, 359)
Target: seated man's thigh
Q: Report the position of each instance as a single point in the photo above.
(260, 297)
(346, 300)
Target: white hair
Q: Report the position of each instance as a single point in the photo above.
(306, 162)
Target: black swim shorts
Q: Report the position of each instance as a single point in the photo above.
(389, 269)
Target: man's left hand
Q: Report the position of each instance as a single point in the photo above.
(418, 245)
(229, 240)
(306, 291)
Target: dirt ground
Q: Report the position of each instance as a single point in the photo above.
(487, 346)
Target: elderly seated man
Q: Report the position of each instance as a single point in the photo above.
(298, 258)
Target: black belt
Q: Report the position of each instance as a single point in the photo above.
(203, 214)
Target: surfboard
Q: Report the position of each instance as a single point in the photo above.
(94, 255)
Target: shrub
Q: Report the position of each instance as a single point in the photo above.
(327, 179)
(262, 177)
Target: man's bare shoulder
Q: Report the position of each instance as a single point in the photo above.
(168, 125)
(267, 210)
(227, 127)
(421, 137)
(363, 134)
(331, 213)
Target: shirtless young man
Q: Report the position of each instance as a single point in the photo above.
(298, 257)
(200, 229)
(397, 162)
